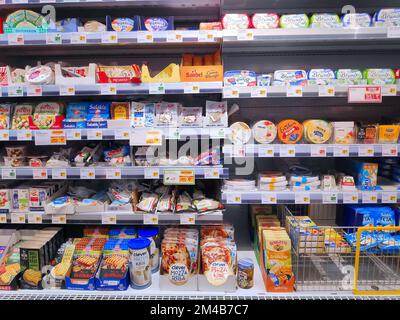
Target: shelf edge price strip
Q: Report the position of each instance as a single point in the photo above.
(17, 217)
(149, 218)
(109, 218)
(35, 218)
(187, 218)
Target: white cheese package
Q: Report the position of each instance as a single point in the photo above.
(328, 183)
(166, 114)
(240, 133)
(349, 77)
(356, 20)
(290, 78)
(387, 18)
(294, 21)
(379, 76)
(236, 21)
(143, 114)
(94, 26)
(216, 114)
(190, 117)
(239, 185)
(264, 80)
(40, 75)
(240, 78)
(343, 132)
(325, 20)
(272, 181)
(321, 76)
(264, 131)
(265, 21)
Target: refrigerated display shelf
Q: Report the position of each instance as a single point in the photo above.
(311, 150)
(109, 172)
(306, 197)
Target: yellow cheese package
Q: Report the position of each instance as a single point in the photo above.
(389, 133)
(317, 131)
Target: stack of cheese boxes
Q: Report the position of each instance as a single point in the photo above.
(305, 235)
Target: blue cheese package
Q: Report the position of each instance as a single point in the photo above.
(387, 18)
(156, 23)
(321, 76)
(356, 20)
(325, 20)
(98, 111)
(264, 80)
(290, 77)
(68, 25)
(240, 78)
(123, 24)
(76, 115)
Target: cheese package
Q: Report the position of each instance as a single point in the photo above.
(25, 21)
(47, 115)
(264, 131)
(94, 26)
(317, 131)
(325, 20)
(265, 20)
(264, 80)
(321, 76)
(356, 20)
(68, 25)
(210, 25)
(143, 114)
(40, 75)
(20, 199)
(124, 25)
(21, 115)
(290, 77)
(367, 175)
(190, 117)
(119, 74)
(120, 110)
(349, 77)
(157, 23)
(236, 21)
(289, 131)
(76, 115)
(4, 201)
(389, 133)
(343, 132)
(166, 114)
(290, 21)
(240, 78)
(379, 76)
(5, 115)
(367, 133)
(216, 114)
(240, 133)
(98, 111)
(387, 18)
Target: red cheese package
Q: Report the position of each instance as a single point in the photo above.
(236, 21)
(397, 75)
(210, 25)
(265, 20)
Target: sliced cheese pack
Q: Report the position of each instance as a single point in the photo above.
(317, 131)
(387, 18)
(379, 76)
(356, 20)
(291, 21)
(325, 20)
(264, 131)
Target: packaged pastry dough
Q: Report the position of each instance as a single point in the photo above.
(264, 131)
(290, 131)
(389, 133)
(343, 132)
(317, 131)
(240, 133)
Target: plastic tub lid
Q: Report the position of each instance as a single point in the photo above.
(147, 233)
(139, 243)
(245, 263)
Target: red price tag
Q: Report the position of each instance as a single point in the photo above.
(365, 94)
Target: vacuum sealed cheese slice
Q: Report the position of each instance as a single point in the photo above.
(264, 131)
(317, 131)
(290, 131)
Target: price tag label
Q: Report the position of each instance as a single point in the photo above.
(266, 152)
(329, 198)
(187, 218)
(230, 92)
(113, 173)
(238, 151)
(156, 88)
(153, 137)
(179, 177)
(78, 38)
(369, 197)
(94, 134)
(174, 36)
(171, 133)
(15, 39)
(87, 173)
(389, 197)
(232, 198)
(17, 217)
(318, 151)
(364, 94)
(73, 134)
(59, 219)
(40, 174)
(294, 91)
(150, 218)
(53, 38)
(34, 91)
(67, 90)
(108, 89)
(365, 151)
(341, 151)
(108, 218)
(389, 150)
(50, 137)
(191, 88)
(212, 173)
(326, 91)
(3, 218)
(217, 133)
(269, 198)
(151, 173)
(389, 90)
(205, 36)
(301, 198)
(15, 91)
(35, 218)
(258, 92)
(9, 173)
(109, 37)
(4, 135)
(59, 173)
(245, 35)
(393, 32)
(24, 135)
(287, 151)
(145, 37)
(122, 134)
(350, 197)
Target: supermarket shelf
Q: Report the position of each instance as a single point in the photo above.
(325, 197)
(115, 217)
(311, 91)
(311, 150)
(154, 293)
(108, 172)
(111, 89)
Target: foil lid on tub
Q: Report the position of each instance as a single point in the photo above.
(356, 20)
(265, 20)
(40, 75)
(264, 131)
(291, 21)
(240, 133)
(290, 131)
(236, 21)
(317, 131)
